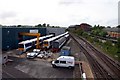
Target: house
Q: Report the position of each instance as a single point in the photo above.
(112, 32)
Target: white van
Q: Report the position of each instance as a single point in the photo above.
(64, 61)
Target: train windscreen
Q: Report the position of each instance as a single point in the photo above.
(45, 43)
(21, 46)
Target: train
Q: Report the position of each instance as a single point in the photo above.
(27, 44)
(49, 42)
(57, 44)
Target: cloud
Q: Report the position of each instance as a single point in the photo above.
(112, 21)
(7, 14)
(69, 2)
(58, 12)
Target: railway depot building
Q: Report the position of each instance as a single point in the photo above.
(10, 36)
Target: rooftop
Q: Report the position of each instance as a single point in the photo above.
(112, 29)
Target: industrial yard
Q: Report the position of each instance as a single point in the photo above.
(41, 67)
(37, 56)
(59, 40)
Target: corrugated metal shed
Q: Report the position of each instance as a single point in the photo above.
(57, 31)
(10, 36)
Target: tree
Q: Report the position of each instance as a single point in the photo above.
(118, 48)
(118, 45)
(108, 27)
(44, 25)
(48, 25)
(39, 25)
(103, 33)
(19, 26)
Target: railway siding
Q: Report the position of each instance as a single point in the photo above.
(114, 66)
(98, 70)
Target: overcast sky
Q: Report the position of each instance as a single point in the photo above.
(59, 12)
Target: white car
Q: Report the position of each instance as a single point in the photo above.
(40, 55)
(43, 54)
(32, 54)
(36, 50)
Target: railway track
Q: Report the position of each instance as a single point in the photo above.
(113, 65)
(98, 70)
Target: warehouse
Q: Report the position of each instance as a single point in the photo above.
(57, 31)
(10, 37)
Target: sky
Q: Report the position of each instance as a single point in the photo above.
(59, 12)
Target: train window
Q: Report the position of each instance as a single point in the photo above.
(40, 40)
(21, 46)
(28, 44)
(33, 43)
(45, 42)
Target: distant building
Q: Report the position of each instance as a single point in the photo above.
(112, 32)
(72, 27)
(83, 26)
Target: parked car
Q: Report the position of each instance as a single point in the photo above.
(32, 54)
(49, 54)
(36, 50)
(44, 54)
(41, 55)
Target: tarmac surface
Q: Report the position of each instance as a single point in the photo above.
(21, 67)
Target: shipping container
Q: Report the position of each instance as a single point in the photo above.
(65, 51)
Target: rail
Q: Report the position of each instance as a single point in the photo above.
(98, 70)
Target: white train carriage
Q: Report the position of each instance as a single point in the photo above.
(57, 44)
(25, 45)
(48, 42)
(67, 36)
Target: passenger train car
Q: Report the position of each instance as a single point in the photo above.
(67, 37)
(48, 42)
(57, 44)
(25, 45)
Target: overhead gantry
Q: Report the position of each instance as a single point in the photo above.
(31, 34)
